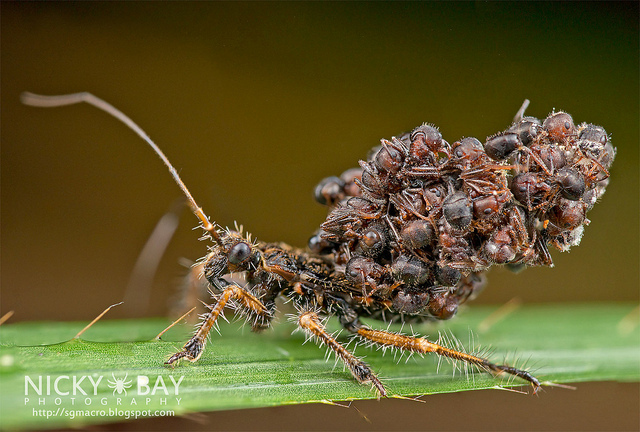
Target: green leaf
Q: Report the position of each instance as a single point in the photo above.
(240, 369)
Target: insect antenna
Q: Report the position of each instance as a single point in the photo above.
(43, 101)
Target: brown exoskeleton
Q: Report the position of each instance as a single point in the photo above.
(316, 284)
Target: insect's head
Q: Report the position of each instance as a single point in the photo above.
(233, 253)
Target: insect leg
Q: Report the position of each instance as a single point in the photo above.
(195, 346)
(422, 345)
(310, 322)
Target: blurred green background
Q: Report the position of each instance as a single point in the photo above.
(254, 103)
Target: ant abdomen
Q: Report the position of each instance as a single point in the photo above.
(500, 146)
(390, 156)
(458, 210)
(418, 234)
(443, 305)
(566, 216)
(330, 191)
(572, 183)
(410, 300)
(373, 241)
(410, 270)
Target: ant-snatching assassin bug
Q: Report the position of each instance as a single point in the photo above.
(409, 234)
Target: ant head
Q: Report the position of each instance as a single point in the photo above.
(467, 150)
(559, 126)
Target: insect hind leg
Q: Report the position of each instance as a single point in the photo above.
(422, 346)
(193, 349)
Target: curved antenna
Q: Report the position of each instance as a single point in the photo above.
(36, 100)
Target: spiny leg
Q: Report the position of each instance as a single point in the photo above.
(195, 346)
(310, 322)
(422, 345)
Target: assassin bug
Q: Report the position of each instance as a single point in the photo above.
(356, 269)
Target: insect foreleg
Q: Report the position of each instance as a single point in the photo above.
(195, 346)
(310, 323)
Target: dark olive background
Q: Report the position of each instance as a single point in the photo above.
(254, 103)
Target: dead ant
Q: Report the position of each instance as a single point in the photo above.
(314, 283)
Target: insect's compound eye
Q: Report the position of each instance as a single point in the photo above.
(559, 126)
(572, 183)
(239, 252)
(500, 146)
(457, 210)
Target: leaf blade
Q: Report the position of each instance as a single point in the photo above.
(563, 343)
